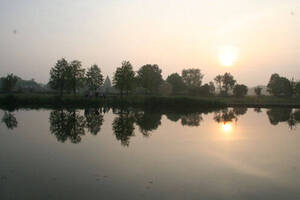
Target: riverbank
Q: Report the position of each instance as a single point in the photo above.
(155, 102)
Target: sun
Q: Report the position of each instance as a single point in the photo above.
(228, 55)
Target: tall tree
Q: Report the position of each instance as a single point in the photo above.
(9, 82)
(240, 90)
(192, 77)
(228, 82)
(94, 78)
(75, 76)
(149, 77)
(177, 82)
(218, 81)
(58, 76)
(124, 77)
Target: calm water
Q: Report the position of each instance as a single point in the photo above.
(132, 154)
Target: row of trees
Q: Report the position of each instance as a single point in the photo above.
(66, 76)
(71, 76)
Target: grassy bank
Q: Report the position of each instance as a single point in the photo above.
(155, 102)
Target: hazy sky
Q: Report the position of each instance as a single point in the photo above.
(174, 34)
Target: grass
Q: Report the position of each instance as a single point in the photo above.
(152, 102)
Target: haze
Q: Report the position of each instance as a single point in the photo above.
(173, 34)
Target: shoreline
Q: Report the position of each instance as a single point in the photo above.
(18, 101)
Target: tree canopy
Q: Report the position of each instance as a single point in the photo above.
(192, 78)
(58, 75)
(279, 86)
(149, 77)
(177, 82)
(124, 77)
(94, 78)
(240, 90)
(9, 82)
(75, 76)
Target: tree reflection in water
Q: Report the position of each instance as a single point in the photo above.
(9, 120)
(123, 126)
(192, 119)
(277, 115)
(94, 120)
(71, 125)
(229, 114)
(67, 125)
(147, 121)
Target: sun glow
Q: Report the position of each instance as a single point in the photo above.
(226, 128)
(228, 55)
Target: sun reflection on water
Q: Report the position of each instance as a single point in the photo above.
(226, 128)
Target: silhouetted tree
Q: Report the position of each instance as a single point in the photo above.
(258, 110)
(228, 83)
(149, 77)
(218, 80)
(277, 115)
(148, 121)
(94, 120)
(173, 117)
(123, 127)
(297, 89)
(165, 88)
(9, 120)
(240, 110)
(212, 88)
(192, 119)
(258, 91)
(124, 77)
(75, 76)
(225, 115)
(94, 78)
(203, 90)
(240, 90)
(296, 115)
(177, 83)
(67, 125)
(9, 82)
(279, 86)
(192, 78)
(58, 76)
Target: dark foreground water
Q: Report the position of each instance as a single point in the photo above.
(134, 154)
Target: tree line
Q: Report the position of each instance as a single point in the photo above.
(69, 77)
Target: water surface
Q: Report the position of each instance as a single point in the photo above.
(235, 153)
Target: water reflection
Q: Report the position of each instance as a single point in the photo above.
(71, 124)
(9, 120)
(147, 121)
(226, 127)
(123, 126)
(67, 125)
(288, 115)
(94, 120)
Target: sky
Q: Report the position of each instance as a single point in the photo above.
(263, 35)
